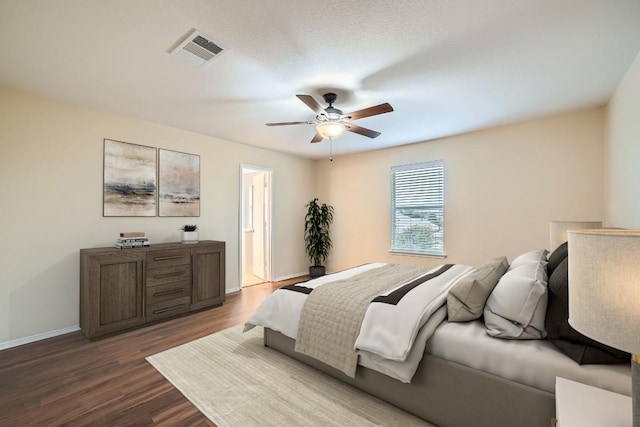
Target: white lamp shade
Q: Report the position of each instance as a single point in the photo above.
(604, 286)
(330, 130)
(558, 230)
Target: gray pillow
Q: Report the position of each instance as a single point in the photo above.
(517, 306)
(557, 256)
(466, 299)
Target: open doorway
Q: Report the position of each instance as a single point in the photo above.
(255, 225)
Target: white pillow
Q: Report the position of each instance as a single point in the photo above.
(517, 306)
(536, 256)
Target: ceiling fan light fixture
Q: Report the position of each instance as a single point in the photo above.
(330, 130)
(331, 122)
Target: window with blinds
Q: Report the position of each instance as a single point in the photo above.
(417, 208)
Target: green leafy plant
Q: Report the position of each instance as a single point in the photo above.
(189, 227)
(316, 231)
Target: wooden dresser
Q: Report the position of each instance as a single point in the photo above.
(126, 288)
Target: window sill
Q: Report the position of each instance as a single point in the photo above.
(412, 254)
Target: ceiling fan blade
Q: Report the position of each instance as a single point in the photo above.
(311, 103)
(317, 138)
(362, 131)
(371, 111)
(288, 123)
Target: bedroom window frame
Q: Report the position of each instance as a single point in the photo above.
(418, 187)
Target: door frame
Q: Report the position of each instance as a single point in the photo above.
(269, 226)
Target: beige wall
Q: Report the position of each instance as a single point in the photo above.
(51, 203)
(623, 153)
(502, 187)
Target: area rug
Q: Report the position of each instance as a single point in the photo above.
(235, 381)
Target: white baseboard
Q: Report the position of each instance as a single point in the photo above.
(277, 279)
(51, 334)
(290, 276)
(38, 337)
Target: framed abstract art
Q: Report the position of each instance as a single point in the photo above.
(129, 184)
(178, 183)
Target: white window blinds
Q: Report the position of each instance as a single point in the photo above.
(417, 208)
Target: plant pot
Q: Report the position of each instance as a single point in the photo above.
(189, 237)
(316, 271)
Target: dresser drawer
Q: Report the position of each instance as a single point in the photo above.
(167, 257)
(173, 273)
(167, 309)
(167, 292)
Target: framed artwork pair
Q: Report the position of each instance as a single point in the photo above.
(147, 181)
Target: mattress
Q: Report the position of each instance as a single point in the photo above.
(536, 363)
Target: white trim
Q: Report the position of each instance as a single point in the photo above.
(400, 253)
(410, 192)
(38, 337)
(277, 279)
(270, 258)
(290, 276)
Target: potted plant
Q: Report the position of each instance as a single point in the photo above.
(189, 233)
(316, 235)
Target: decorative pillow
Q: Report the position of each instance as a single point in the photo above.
(536, 256)
(578, 347)
(517, 306)
(556, 257)
(466, 299)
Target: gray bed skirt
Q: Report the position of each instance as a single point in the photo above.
(444, 393)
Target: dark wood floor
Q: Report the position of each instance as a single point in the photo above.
(71, 381)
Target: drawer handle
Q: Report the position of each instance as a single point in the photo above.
(169, 292)
(164, 310)
(162, 276)
(165, 258)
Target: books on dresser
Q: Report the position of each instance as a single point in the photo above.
(132, 239)
(131, 234)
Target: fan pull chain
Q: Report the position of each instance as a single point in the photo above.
(331, 149)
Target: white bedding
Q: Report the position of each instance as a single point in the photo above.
(532, 362)
(535, 363)
(281, 310)
(388, 332)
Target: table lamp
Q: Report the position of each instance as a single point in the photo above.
(558, 230)
(604, 293)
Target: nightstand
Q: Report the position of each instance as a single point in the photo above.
(581, 405)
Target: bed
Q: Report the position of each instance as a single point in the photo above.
(467, 373)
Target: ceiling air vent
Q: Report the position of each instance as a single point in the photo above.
(198, 49)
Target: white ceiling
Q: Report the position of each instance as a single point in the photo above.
(446, 66)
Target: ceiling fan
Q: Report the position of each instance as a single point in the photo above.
(331, 122)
